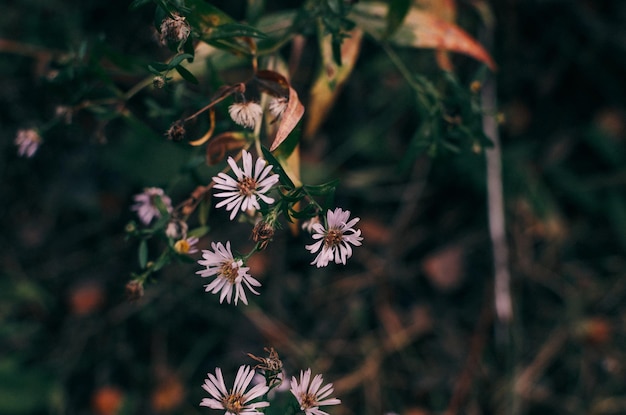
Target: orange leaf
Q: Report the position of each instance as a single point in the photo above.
(421, 29)
(330, 79)
(221, 143)
(290, 118)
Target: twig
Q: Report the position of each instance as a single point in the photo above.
(497, 228)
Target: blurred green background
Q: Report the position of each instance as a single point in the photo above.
(408, 325)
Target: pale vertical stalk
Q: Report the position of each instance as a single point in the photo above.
(497, 227)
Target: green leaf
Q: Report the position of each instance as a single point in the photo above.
(187, 76)
(398, 10)
(158, 67)
(322, 189)
(284, 178)
(230, 30)
(203, 211)
(138, 3)
(198, 232)
(176, 60)
(143, 254)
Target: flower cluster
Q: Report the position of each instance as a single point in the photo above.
(246, 192)
(148, 204)
(309, 393)
(27, 142)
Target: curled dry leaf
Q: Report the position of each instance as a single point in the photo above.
(290, 118)
(277, 85)
(331, 78)
(209, 132)
(421, 29)
(222, 143)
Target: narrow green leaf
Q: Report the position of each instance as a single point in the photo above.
(203, 211)
(398, 10)
(143, 254)
(284, 178)
(322, 189)
(230, 30)
(158, 67)
(187, 76)
(176, 60)
(138, 3)
(198, 232)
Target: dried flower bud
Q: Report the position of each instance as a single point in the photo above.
(134, 290)
(278, 105)
(246, 114)
(174, 29)
(27, 142)
(476, 86)
(263, 232)
(271, 363)
(176, 132)
(158, 82)
(176, 229)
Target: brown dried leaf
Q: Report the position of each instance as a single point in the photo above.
(222, 143)
(421, 29)
(290, 118)
(444, 268)
(331, 78)
(209, 132)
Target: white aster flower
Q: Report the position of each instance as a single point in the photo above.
(146, 204)
(246, 114)
(231, 274)
(311, 397)
(27, 142)
(252, 183)
(186, 246)
(278, 105)
(308, 224)
(335, 239)
(237, 400)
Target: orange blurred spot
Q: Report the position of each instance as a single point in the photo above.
(168, 394)
(86, 298)
(107, 400)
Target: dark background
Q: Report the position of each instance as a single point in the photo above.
(408, 325)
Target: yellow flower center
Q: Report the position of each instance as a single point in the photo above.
(246, 186)
(229, 271)
(333, 238)
(233, 403)
(182, 246)
(308, 400)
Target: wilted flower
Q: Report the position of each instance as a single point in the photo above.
(174, 29)
(176, 132)
(176, 229)
(263, 232)
(311, 397)
(246, 114)
(134, 290)
(335, 238)
(231, 274)
(308, 224)
(237, 400)
(27, 142)
(158, 82)
(252, 183)
(147, 205)
(278, 105)
(186, 246)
